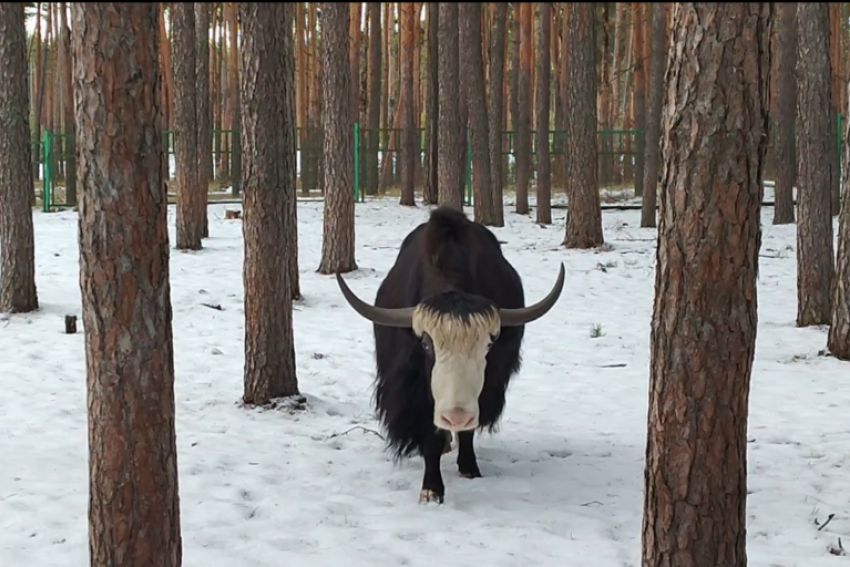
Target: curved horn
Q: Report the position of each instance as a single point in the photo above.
(523, 315)
(379, 315)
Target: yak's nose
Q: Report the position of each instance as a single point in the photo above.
(458, 419)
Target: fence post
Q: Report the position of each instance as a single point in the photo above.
(357, 196)
(46, 189)
(468, 168)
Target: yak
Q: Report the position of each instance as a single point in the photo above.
(448, 319)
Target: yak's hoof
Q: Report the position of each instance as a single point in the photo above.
(470, 474)
(426, 496)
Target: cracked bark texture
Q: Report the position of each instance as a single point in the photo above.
(838, 340)
(134, 508)
(191, 200)
(338, 143)
(704, 320)
(17, 242)
(267, 100)
(815, 256)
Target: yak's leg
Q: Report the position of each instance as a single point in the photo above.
(467, 464)
(433, 489)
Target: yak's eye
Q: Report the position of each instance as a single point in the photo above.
(426, 343)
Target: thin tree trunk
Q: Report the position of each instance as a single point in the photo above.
(429, 196)
(838, 340)
(544, 170)
(235, 106)
(786, 106)
(652, 165)
(638, 15)
(374, 112)
(409, 132)
(524, 106)
(203, 108)
(70, 129)
(496, 109)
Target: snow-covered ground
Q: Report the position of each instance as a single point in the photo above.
(562, 479)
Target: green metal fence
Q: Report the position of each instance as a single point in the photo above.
(375, 160)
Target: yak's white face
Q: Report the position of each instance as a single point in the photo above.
(459, 351)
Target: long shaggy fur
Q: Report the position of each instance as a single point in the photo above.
(454, 266)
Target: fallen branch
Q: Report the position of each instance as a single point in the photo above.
(215, 306)
(361, 428)
(826, 523)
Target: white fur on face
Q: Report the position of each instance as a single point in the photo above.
(460, 358)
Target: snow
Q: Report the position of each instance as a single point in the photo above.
(563, 478)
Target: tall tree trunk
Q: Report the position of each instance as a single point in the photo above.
(835, 28)
(495, 109)
(124, 280)
(235, 106)
(705, 315)
(203, 106)
(429, 196)
(168, 72)
(190, 198)
(354, 58)
(463, 122)
(563, 81)
(815, 257)
(838, 340)
(70, 129)
(267, 98)
(374, 112)
(38, 80)
(451, 146)
(544, 168)
(617, 68)
(513, 103)
(524, 103)
(584, 215)
(638, 16)
(409, 131)
(475, 99)
(17, 241)
(652, 152)
(338, 231)
(786, 105)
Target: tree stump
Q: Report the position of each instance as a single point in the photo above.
(70, 324)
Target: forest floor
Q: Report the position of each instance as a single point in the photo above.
(563, 479)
